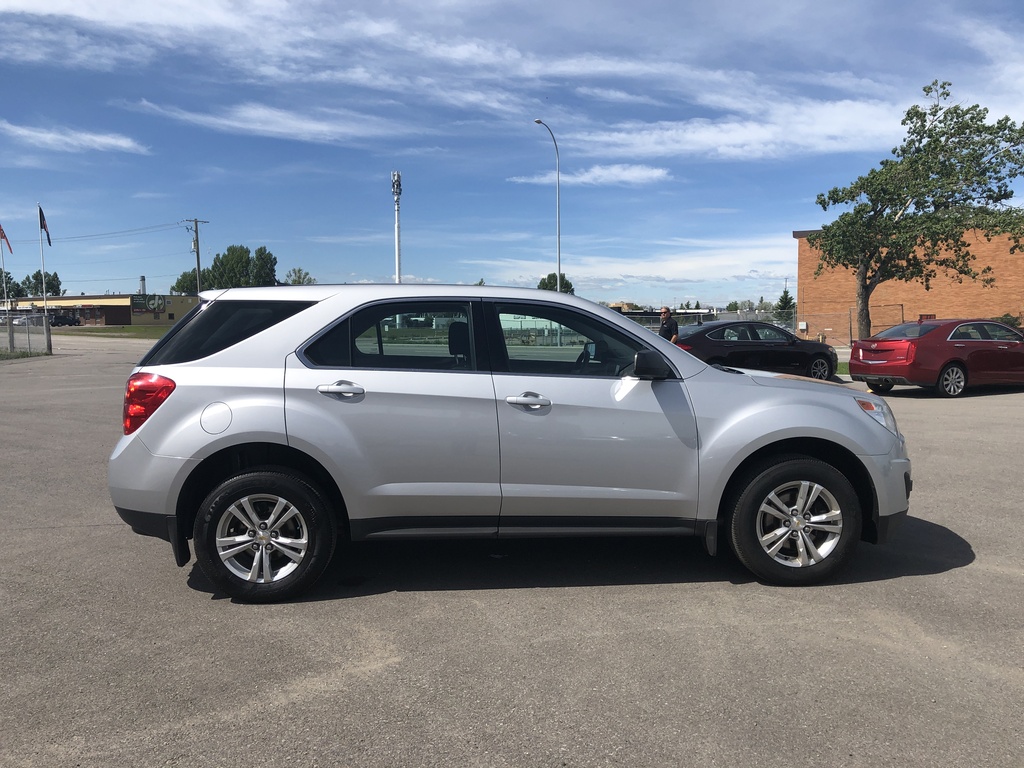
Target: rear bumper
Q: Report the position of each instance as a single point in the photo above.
(159, 526)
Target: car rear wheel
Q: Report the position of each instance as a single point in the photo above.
(264, 536)
(952, 381)
(880, 387)
(820, 368)
(796, 521)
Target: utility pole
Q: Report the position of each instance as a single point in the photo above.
(194, 229)
(396, 190)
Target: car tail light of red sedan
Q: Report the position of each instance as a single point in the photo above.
(144, 393)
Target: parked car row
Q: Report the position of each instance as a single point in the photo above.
(946, 355)
(759, 346)
(38, 319)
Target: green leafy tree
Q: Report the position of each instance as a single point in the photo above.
(908, 219)
(229, 269)
(14, 290)
(785, 307)
(732, 306)
(262, 268)
(299, 276)
(550, 283)
(186, 283)
(33, 284)
(479, 282)
(237, 267)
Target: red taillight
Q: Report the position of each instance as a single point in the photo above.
(144, 393)
(687, 347)
(911, 351)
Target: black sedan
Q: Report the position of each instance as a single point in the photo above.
(742, 344)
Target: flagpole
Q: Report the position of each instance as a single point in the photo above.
(3, 272)
(42, 259)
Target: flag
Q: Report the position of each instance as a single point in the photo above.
(43, 227)
(3, 239)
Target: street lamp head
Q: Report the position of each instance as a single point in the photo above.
(538, 121)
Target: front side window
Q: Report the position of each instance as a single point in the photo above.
(558, 341)
(1002, 333)
(410, 335)
(768, 333)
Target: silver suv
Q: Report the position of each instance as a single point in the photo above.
(269, 422)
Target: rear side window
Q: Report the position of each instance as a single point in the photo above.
(218, 325)
(427, 335)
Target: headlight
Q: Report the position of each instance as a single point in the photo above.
(880, 411)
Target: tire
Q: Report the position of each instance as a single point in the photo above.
(880, 387)
(244, 513)
(796, 521)
(820, 368)
(952, 381)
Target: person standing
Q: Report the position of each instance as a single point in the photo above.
(669, 327)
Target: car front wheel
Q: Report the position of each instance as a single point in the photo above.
(796, 521)
(264, 536)
(952, 381)
(880, 387)
(820, 368)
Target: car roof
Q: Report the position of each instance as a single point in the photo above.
(369, 291)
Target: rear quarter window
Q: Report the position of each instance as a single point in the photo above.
(217, 325)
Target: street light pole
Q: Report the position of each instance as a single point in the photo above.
(558, 209)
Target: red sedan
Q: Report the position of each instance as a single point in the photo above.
(948, 355)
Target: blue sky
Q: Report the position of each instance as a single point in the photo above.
(693, 136)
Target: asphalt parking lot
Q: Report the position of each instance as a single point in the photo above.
(531, 653)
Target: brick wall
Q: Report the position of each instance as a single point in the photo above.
(827, 303)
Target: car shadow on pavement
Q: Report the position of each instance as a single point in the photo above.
(917, 548)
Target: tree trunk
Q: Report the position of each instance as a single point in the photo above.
(864, 291)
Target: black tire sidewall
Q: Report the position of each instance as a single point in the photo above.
(828, 364)
(743, 519)
(321, 528)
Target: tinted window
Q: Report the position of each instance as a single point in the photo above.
(968, 332)
(906, 331)
(554, 340)
(767, 333)
(427, 335)
(217, 325)
(689, 330)
(1001, 332)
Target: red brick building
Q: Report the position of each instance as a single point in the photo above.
(828, 303)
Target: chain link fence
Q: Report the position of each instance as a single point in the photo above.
(25, 333)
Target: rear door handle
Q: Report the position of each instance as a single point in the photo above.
(343, 388)
(528, 400)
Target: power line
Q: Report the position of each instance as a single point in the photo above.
(103, 235)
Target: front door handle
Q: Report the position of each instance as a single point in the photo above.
(343, 388)
(528, 400)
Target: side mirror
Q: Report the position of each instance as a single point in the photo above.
(649, 365)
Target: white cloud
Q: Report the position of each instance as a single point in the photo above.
(70, 140)
(602, 175)
(322, 126)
